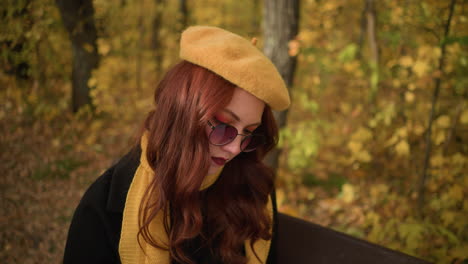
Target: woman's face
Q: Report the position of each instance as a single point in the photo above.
(244, 112)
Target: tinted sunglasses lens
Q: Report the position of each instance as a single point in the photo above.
(252, 142)
(222, 134)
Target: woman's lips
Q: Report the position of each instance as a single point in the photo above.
(218, 161)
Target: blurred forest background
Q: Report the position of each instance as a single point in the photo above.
(375, 143)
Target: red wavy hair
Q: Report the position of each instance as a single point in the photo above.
(233, 209)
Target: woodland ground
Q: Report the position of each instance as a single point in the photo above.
(46, 169)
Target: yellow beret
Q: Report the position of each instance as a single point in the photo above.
(236, 60)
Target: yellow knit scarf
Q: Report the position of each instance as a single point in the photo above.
(129, 249)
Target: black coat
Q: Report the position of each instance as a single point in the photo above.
(96, 225)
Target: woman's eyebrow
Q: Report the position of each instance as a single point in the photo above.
(237, 117)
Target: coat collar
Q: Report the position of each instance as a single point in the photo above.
(122, 177)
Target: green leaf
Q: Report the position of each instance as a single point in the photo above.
(348, 53)
(463, 40)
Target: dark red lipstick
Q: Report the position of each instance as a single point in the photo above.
(219, 161)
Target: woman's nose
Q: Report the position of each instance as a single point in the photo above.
(234, 147)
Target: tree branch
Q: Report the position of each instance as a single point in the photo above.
(424, 176)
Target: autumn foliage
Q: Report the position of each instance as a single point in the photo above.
(354, 147)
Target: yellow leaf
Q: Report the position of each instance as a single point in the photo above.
(459, 159)
(402, 132)
(316, 80)
(464, 117)
(402, 148)
(33, 98)
(406, 61)
(307, 36)
(330, 5)
(103, 46)
(362, 134)
(439, 137)
(459, 252)
(432, 186)
(355, 146)
(395, 16)
(294, 47)
(412, 233)
(351, 66)
(363, 156)
(92, 82)
(418, 130)
(448, 217)
(88, 47)
(378, 190)
(436, 52)
(437, 161)
(391, 141)
(424, 51)
(56, 142)
(347, 193)
(420, 68)
(443, 121)
(454, 48)
(409, 97)
(435, 204)
(456, 192)
(345, 108)
(289, 210)
(373, 218)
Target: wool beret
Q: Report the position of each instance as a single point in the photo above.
(237, 60)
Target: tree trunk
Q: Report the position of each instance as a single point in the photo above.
(362, 29)
(184, 14)
(255, 19)
(78, 19)
(156, 38)
(281, 23)
(371, 35)
(140, 46)
(374, 52)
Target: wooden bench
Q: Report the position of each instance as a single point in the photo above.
(304, 242)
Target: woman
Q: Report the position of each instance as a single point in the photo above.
(195, 190)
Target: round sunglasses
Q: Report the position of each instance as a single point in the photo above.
(223, 134)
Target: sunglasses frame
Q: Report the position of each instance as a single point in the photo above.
(213, 128)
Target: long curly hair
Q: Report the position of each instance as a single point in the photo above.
(232, 210)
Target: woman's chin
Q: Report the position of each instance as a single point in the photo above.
(213, 169)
